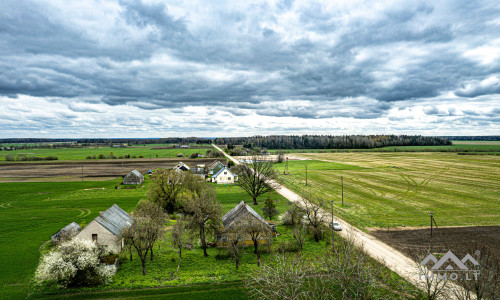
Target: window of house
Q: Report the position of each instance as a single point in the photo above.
(94, 237)
(225, 173)
(229, 178)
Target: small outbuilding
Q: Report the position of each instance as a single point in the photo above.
(68, 231)
(106, 228)
(134, 177)
(239, 217)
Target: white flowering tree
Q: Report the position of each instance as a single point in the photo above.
(74, 263)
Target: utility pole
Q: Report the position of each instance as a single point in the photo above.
(433, 221)
(306, 175)
(333, 231)
(342, 182)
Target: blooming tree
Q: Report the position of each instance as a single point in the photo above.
(74, 263)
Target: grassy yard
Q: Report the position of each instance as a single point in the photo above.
(400, 189)
(82, 153)
(31, 212)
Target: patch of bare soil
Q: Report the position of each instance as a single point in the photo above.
(64, 171)
(460, 240)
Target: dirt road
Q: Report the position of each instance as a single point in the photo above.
(390, 257)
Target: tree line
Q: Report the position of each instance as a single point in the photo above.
(333, 142)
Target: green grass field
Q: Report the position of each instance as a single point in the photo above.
(31, 212)
(400, 189)
(457, 146)
(82, 153)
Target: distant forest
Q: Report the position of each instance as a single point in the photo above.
(333, 142)
(268, 142)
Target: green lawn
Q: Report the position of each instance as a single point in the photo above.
(31, 212)
(82, 153)
(400, 189)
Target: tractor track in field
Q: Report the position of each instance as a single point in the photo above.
(7, 204)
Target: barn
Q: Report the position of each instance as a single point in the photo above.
(134, 177)
(105, 229)
(239, 217)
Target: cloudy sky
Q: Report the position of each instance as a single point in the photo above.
(191, 68)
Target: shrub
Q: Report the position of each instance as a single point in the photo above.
(194, 155)
(88, 157)
(120, 157)
(9, 157)
(180, 155)
(101, 156)
(74, 263)
(141, 156)
(21, 157)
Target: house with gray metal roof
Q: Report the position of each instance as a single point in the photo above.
(134, 177)
(105, 229)
(239, 217)
(68, 231)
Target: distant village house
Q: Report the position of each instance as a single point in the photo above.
(134, 177)
(224, 176)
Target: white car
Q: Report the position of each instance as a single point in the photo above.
(336, 226)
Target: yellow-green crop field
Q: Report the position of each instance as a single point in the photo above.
(401, 189)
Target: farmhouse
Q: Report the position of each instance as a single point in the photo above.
(66, 232)
(224, 176)
(105, 229)
(239, 217)
(134, 177)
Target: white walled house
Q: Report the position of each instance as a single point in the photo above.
(105, 229)
(224, 176)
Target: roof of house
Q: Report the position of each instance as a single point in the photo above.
(222, 169)
(67, 228)
(237, 212)
(114, 219)
(214, 164)
(136, 173)
(182, 165)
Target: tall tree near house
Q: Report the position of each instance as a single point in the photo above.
(138, 237)
(253, 176)
(165, 188)
(152, 211)
(257, 231)
(204, 211)
(235, 244)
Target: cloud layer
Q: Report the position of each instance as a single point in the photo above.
(150, 68)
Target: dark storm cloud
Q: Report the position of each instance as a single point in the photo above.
(292, 59)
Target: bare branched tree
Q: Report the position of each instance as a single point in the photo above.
(285, 278)
(152, 211)
(205, 213)
(299, 232)
(483, 280)
(349, 268)
(179, 237)
(253, 177)
(313, 214)
(434, 284)
(234, 249)
(138, 237)
(257, 232)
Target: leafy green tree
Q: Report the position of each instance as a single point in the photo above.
(165, 188)
(269, 209)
